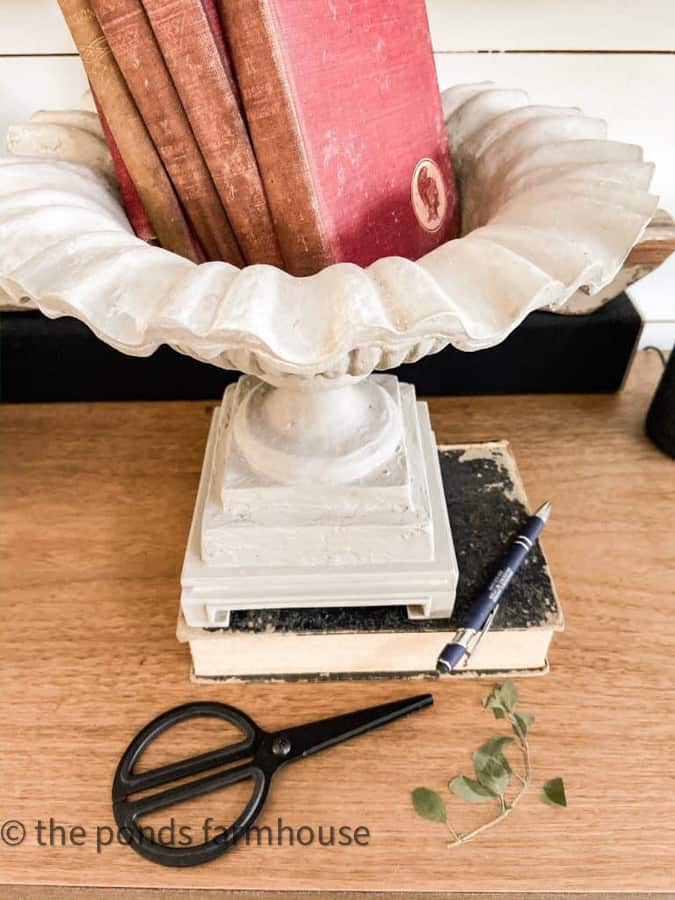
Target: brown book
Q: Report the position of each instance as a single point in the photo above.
(212, 14)
(344, 112)
(188, 45)
(136, 212)
(133, 44)
(139, 153)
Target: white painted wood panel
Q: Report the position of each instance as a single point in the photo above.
(654, 298)
(33, 26)
(28, 83)
(634, 93)
(552, 24)
(36, 26)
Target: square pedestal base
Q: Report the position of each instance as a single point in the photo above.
(212, 589)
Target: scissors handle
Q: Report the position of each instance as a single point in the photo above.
(126, 782)
(260, 754)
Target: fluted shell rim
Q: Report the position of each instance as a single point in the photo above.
(549, 206)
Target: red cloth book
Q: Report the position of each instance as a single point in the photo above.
(128, 32)
(343, 108)
(194, 59)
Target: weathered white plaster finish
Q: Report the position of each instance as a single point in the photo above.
(256, 515)
(549, 206)
(63, 134)
(320, 487)
(334, 436)
(288, 546)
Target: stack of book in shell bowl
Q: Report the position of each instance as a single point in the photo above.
(295, 134)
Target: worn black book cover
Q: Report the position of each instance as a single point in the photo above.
(486, 505)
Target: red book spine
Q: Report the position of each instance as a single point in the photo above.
(194, 62)
(344, 112)
(138, 217)
(133, 44)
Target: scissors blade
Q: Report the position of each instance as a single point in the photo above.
(307, 739)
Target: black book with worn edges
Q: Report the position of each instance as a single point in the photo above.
(487, 505)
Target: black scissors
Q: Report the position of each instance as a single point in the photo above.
(264, 752)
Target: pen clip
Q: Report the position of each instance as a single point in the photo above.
(474, 643)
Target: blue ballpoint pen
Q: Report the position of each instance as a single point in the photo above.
(479, 618)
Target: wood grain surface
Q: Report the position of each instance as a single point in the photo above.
(97, 500)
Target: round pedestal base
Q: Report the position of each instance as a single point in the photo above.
(330, 436)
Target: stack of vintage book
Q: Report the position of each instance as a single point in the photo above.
(296, 134)
(487, 505)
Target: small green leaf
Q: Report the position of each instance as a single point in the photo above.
(509, 696)
(524, 721)
(494, 775)
(492, 749)
(553, 792)
(493, 746)
(492, 700)
(503, 697)
(468, 789)
(429, 805)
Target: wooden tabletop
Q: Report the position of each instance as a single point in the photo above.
(97, 504)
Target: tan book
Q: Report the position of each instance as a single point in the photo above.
(195, 63)
(137, 53)
(136, 148)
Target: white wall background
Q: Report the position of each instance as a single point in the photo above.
(613, 58)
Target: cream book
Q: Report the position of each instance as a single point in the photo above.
(487, 504)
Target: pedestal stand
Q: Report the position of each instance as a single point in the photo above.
(319, 493)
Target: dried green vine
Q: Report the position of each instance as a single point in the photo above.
(493, 772)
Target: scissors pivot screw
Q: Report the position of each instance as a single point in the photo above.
(281, 745)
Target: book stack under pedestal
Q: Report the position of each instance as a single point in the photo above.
(486, 505)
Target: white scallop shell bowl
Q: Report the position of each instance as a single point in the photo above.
(549, 206)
